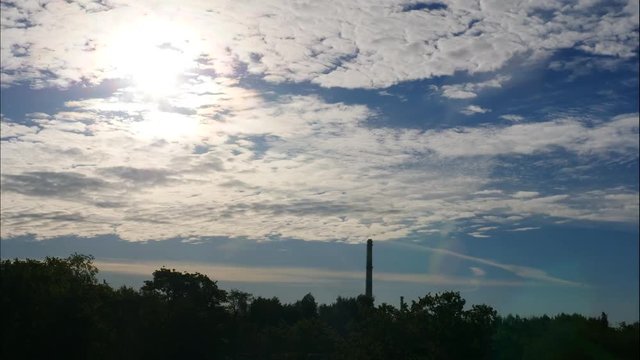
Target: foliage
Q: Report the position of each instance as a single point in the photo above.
(56, 307)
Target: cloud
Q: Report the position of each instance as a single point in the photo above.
(477, 234)
(284, 166)
(474, 109)
(619, 135)
(521, 271)
(525, 272)
(10, 129)
(46, 184)
(525, 194)
(136, 176)
(477, 271)
(527, 228)
(330, 44)
(582, 65)
(512, 117)
(470, 90)
(292, 274)
(486, 228)
(488, 192)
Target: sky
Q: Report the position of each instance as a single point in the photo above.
(487, 147)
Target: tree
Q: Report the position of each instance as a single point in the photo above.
(307, 308)
(175, 286)
(57, 307)
(194, 322)
(238, 302)
(266, 312)
(51, 304)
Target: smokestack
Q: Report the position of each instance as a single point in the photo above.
(369, 292)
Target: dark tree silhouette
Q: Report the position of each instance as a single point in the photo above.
(57, 308)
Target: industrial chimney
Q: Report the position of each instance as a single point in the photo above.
(369, 292)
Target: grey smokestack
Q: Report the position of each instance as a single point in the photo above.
(369, 291)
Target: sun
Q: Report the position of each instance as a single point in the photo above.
(153, 54)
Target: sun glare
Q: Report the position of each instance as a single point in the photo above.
(152, 54)
(166, 125)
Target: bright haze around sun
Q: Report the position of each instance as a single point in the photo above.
(489, 147)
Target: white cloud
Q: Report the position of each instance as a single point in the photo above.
(512, 117)
(474, 109)
(486, 228)
(620, 135)
(364, 45)
(477, 234)
(525, 194)
(292, 166)
(488, 192)
(526, 228)
(11, 129)
(454, 92)
(470, 90)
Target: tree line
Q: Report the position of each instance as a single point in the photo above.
(57, 308)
